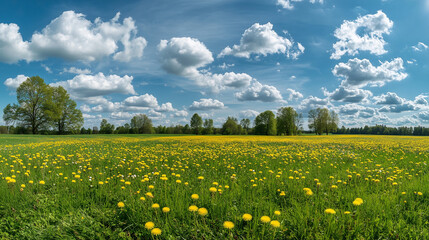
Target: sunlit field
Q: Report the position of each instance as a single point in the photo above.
(214, 187)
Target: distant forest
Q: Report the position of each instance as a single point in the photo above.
(43, 109)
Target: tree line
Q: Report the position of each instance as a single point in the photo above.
(384, 130)
(286, 122)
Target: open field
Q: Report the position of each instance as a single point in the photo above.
(97, 187)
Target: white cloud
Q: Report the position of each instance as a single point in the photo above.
(263, 40)
(181, 113)
(352, 95)
(47, 69)
(206, 104)
(287, 4)
(293, 94)
(184, 56)
(372, 26)
(88, 116)
(71, 36)
(259, 92)
(312, 102)
(13, 83)
(249, 113)
(12, 47)
(83, 86)
(74, 70)
(142, 101)
(420, 47)
(360, 73)
(424, 115)
(357, 111)
(226, 66)
(421, 100)
(121, 115)
(394, 103)
(165, 107)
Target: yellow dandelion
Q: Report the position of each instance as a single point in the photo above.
(330, 211)
(357, 201)
(275, 223)
(155, 205)
(165, 209)
(149, 225)
(42, 182)
(265, 219)
(121, 204)
(247, 217)
(213, 189)
(228, 225)
(195, 196)
(193, 208)
(156, 231)
(202, 212)
(277, 213)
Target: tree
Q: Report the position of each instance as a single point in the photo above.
(288, 121)
(106, 128)
(63, 113)
(231, 127)
(245, 125)
(208, 126)
(265, 123)
(141, 124)
(321, 121)
(196, 123)
(33, 97)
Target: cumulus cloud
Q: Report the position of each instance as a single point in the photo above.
(288, 4)
(313, 102)
(181, 113)
(249, 113)
(352, 95)
(185, 56)
(83, 85)
(165, 107)
(13, 83)
(394, 103)
(360, 73)
(142, 101)
(357, 111)
(371, 26)
(72, 37)
(206, 104)
(12, 47)
(74, 70)
(121, 115)
(424, 115)
(293, 94)
(260, 92)
(421, 100)
(261, 39)
(420, 47)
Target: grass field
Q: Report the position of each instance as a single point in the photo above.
(206, 187)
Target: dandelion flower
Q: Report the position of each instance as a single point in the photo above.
(277, 213)
(247, 217)
(195, 196)
(357, 201)
(275, 224)
(330, 211)
(346, 212)
(42, 182)
(193, 208)
(265, 219)
(213, 189)
(228, 225)
(121, 204)
(156, 231)
(149, 225)
(165, 209)
(155, 205)
(142, 198)
(419, 193)
(202, 212)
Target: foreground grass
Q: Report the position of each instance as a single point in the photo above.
(73, 187)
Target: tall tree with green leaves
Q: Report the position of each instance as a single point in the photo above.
(34, 99)
(196, 124)
(141, 123)
(288, 121)
(245, 125)
(321, 121)
(106, 127)
(265, 123)
(231, 127)
(208, 127)
(63, 113)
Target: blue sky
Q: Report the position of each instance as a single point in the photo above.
(367, 60)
